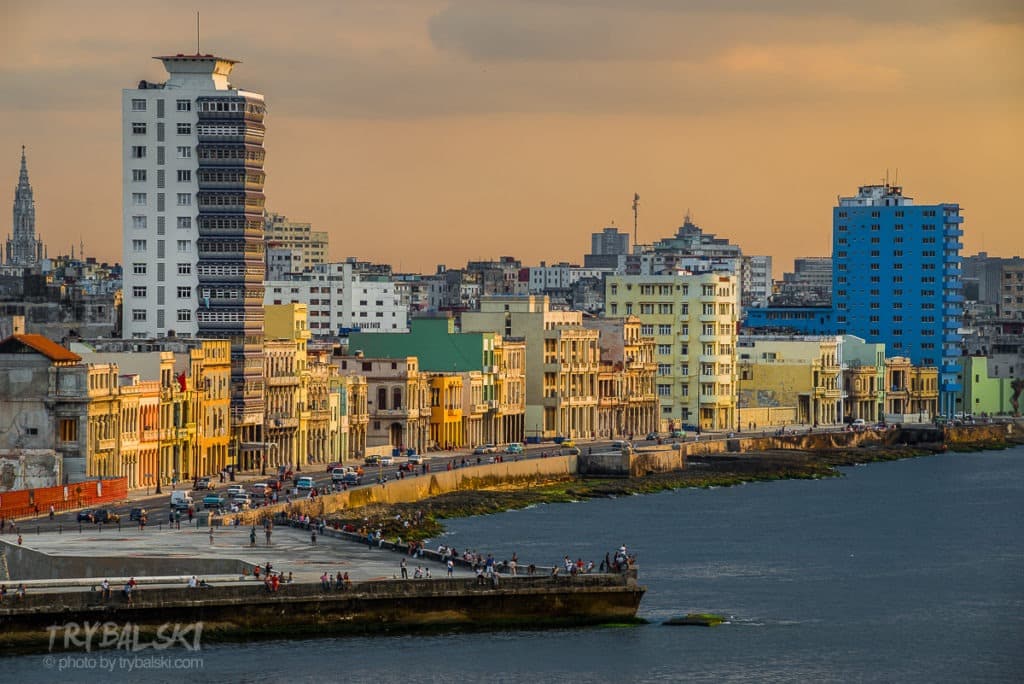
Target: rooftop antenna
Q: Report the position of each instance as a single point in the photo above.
(197, 33)
(636, 211)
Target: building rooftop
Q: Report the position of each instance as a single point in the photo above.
(45, 346)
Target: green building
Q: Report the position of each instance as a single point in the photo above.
(983, 393)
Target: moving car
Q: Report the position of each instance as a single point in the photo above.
(415, 459)
(304, 483)
(235, 490)
(86, 515)
(181, 500)
(485, 449)
(261, 490)
(338, 474)
(514, 448)
(371, 460)
(137, 514)
(387, 461)
(102, 515)
(568, 443)
(351, 479)
(859, 422)
(212, 501)
(204, 483)
(333, 465)
(651, 436)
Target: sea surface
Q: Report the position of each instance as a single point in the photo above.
(909, 571)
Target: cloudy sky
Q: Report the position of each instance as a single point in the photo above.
(421, 132)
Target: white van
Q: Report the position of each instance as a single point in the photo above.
(181, 499)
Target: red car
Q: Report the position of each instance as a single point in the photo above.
(335, 464)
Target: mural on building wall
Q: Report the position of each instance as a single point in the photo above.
(768, 398)
(27, 469)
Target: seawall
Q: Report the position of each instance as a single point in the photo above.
(236, 612)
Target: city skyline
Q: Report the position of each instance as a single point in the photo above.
(426, 133)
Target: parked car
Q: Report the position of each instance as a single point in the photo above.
(514, 448)
(338, 474)
(567, 443)
(859, 422)
(371, 460)
(212, 501)
(204, 483)
(304, 483)
(652, 436)
(86, 515)
(181, 500)
(387, 461)
(137, 514)
(243, 501)
(485, 449)
(415, 459)
(351, 479)
(334, 464)
(235, 490)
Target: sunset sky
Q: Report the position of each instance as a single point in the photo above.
(419, 132)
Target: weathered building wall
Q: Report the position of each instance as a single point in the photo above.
(28, 469)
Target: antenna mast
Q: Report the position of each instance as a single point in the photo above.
(197, 32)
(636, 210)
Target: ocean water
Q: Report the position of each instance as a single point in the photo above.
(910, 571)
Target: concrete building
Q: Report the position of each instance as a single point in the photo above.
(896, 278)
(562, 361)
(985, 393)
(44, 409)
(293, 247)
(627, 402)
(193, 203)
(809, 284)
(800, 372)
(605, 249)
(344, 297)
(24, 249)
(692, 318)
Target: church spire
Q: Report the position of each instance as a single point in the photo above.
(23, 249)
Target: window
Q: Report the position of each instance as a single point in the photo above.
(184, 315)
(184, 105)
(184, 176)
(138, 128)
(68, 430)
(139, 199)
(139, 268)
(184, 152)
(138, 314)
(138, 175)
(184, 292)
(646, 330)
(138, 105)
(664, 390)
(184, 245)
(664, 329)
(138, 151)
(139, 291)
(664, 349)
(184, 129)
(184, 199)
(184, 222)
(664, 369)
(138, 245)
(184, 269)
(138, 221)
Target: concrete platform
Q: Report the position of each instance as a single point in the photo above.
(154, 553)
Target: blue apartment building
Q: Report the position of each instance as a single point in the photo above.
(895, 279)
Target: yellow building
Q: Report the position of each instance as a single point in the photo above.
(912, 392)
(510, 389)
(692, 318)
(103, 423)
(800, 372)
(562, 361)
(140, 417)
(446, 410)
(210, 378)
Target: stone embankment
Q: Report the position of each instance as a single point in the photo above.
(248, 611)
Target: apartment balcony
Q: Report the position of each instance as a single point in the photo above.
(951, 271)
(715, 400)
(952, 299)
(951, 337)
(409, 414)
(952, 231)
(716, 378)
(684, 337)
(281, 422)
(952, 387)
(106, 444)
(709, 318)
(150, 435)
(282, 380)
(492, 404)
(950, 368)
(708, 338)
(482, 407)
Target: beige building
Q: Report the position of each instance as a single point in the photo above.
(627, 402)
(692, 318)
(800, 372)
(510, 381)
(562, 361)
(397, 398)
(912, 392)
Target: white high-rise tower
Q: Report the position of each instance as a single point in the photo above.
(192, 187)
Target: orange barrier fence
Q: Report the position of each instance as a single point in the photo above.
(23, 503)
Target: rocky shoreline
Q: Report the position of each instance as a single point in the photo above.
(423, 520)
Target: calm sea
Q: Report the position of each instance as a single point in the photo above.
(911, 571)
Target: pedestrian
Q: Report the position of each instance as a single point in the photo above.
(21, 592)
(19, 539)
(404, 569)
(252, 536)
(312, 537)
(211, 535)
(105, 590)
(268, 533)
(451, 567)
(52, 511)
(191, 512)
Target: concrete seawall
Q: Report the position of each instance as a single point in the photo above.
(235, 612)
(410, 489)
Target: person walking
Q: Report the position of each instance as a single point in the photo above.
(252, 536)
(52, 511)
(405, 569)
